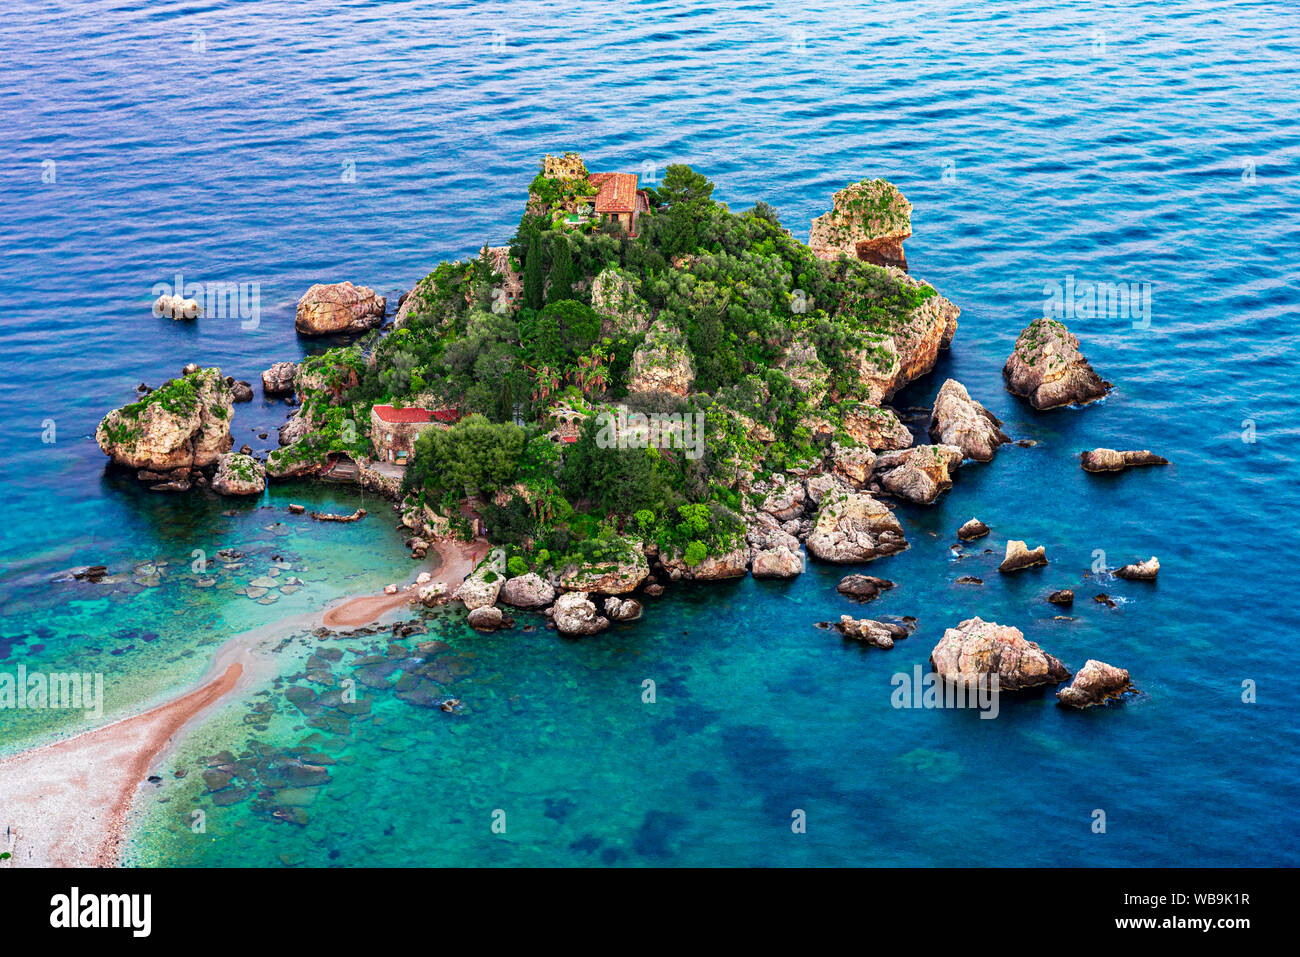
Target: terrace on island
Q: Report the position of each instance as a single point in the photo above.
(393, 431)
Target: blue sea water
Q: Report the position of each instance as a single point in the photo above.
(286, 144)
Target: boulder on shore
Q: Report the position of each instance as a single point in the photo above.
(919, 474)
(1112, 460)
(881, 634)
(575, 614)
(854, 527)
(779, 562)
(483, 584)
(976, 650)
(960, 421)
(1019, 556)
(333, 308)
(486, 618)
(527, 591)
(239, 475)
(1095, 683)
(278, 380)
(1140, 571)
(622, 609)
(972, 530)
(184, 423)
(1047, 368)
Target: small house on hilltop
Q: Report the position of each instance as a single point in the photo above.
(393, 431)
(619, 199)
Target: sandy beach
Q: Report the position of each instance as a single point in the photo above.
(69, 803)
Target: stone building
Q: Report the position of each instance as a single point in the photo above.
(393, 431)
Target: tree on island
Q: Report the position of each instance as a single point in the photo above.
(561, 287)
(534, 282)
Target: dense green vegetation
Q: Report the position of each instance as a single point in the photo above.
(733, 298)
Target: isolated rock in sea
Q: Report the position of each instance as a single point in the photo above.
(1047, 368)
(486, 618)
(527, 591)
(919, 474)
(240, 391)
(662, 363)
(239, 475)
(575, 614)
(972, 530)
(622, 609)
(976, 649)
(184, 423)
(853, 527)
(278, 380)
(881, 634)
(864, 588)
(1095, 683)
(1019, 556)
(613, 577)
(1064, 596)
(1111, 460)
(868, 220)
(484, 583)
(780, 562)
(176, 307)
(1140, 571)
(959, 420)
(332, 308)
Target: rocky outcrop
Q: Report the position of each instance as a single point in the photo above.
(868, 221)
(527, 591)
(975, 650)
(960, 421)
(484, 583)
(881, 634)
(240, 391)
(854, 464)
(277, 381)
(888, 360)
(878, 429)
(615, 577)
(863, 588)
(184, 423)
(853, 527)
(972, 530)
(919, 474)
(1063, 596)
(239, 475)
(732, 564)
(575, 614)
(780, 562)
(614, 297)
(1111, 460)
(1140, 571)
(822, 484)
(486, 618)
(1047, 368)
(1019, 556)
(336, 308)
(785, 500)
(1096, 683)
(622, 609)
(662, 363)
(294, 429)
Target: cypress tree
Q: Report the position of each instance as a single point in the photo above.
(561, 270)
(533, 283)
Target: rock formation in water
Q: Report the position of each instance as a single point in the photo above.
(868, 220)
(1095, 683)
(977, 649)
(239, 475)
(184, 423)
(1140, 571)
(1047, 368)
(959, 420)
(1019, 556)
(919, 474)
(852, 527)
(338, 308)
(1111, 460)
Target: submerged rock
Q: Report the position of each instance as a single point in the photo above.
(853, 527)
(1111, 460)
(960, 421)
(333, 308)
(1095, 683)
(977, 649)
(1019, 556)
(1140, 571)
(1047, 368)
(972, 530)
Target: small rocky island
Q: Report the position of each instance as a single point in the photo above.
(643, 387)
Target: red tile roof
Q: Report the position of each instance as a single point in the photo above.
(387, 413)
(617, 192)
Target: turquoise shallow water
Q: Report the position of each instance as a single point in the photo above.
(1135, 142)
